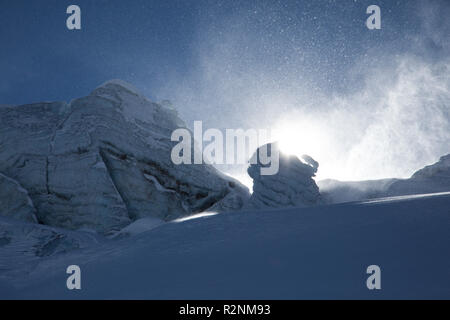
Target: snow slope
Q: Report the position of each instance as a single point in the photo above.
(335, 191)
(24, 245)
(430, 179)
(316, 252)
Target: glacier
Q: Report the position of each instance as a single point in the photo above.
(91, 183)
(103, 161)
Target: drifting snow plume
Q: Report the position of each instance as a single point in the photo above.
(431, 179)
(293, 185)
(434, 178)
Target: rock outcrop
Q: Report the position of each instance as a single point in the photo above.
(103, 161)
(292, 186)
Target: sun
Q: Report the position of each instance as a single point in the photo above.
(301, 135)
(297, 138)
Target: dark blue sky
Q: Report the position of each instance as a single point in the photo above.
(150, 42)
(291, 64)
(132, 40)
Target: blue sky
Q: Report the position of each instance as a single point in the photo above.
(255, 63)
(150, 42)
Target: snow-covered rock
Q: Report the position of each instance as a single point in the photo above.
(318, 252)
(292, 186)
(431, 179)
(103, 161)
(335, 191)
(14, 201)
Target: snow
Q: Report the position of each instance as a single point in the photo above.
(122, 84)
(24, 245)
(15, 201)
(139, 226)
(316, 252)
(196, 216)
(103, 161)
(434, 178)
(335, 191)
(96, 173)
(431, 179)
(158, 186)
(400, 198)
(292, 186)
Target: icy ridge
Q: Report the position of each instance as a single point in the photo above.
(87, 164)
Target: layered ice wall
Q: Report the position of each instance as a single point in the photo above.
(103, 161)
(14, 200)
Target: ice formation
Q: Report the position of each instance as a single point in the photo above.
(292, 186)
(103, 161)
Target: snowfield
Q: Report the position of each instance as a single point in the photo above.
(297, 253)
(91, 183)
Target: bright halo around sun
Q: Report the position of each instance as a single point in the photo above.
(298, 138)
(299, 135)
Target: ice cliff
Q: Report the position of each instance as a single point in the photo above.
(101, 162)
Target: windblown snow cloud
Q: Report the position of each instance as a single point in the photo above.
(381, 112)
(398, 123)
(408, 125)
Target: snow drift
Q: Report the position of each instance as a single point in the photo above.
(310, 253)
